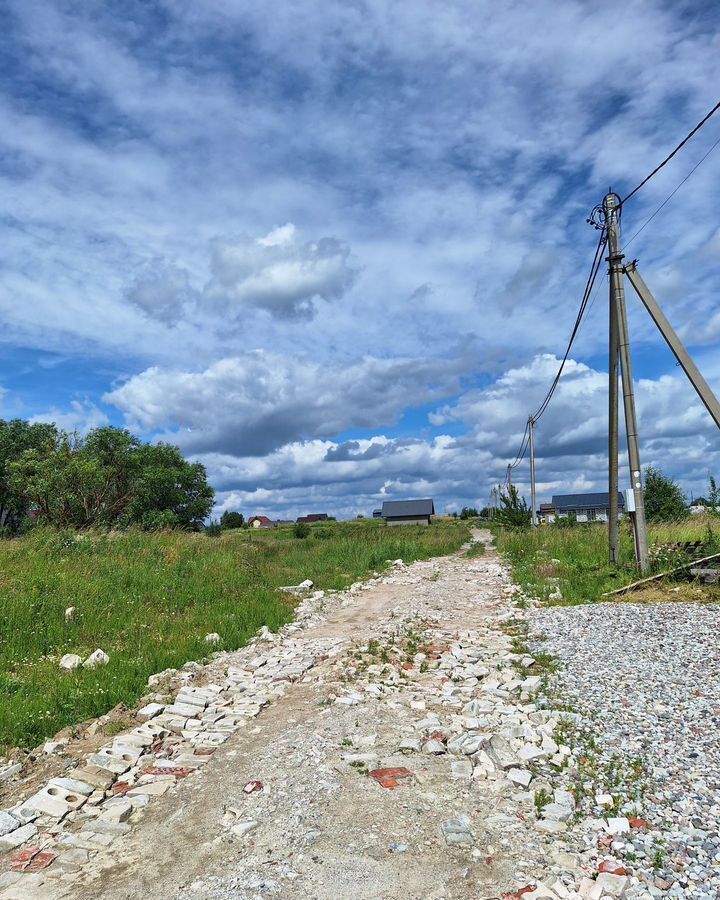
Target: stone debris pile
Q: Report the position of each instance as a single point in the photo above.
(71, 819)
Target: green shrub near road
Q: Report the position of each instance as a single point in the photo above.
(148, 600)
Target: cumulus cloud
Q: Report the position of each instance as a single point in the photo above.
(354, 476)
(255, 403)
(281, 273)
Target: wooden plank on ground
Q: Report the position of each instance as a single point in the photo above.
(643, 581)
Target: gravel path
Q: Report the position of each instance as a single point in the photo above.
(647, 680)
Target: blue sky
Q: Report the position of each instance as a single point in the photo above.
(333, 250)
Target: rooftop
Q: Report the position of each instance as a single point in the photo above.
(403, 508)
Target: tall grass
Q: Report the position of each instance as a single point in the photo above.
(575, 560)
(148, 600)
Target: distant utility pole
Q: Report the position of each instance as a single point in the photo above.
(533, 513)
(617, 298)
(509, 476)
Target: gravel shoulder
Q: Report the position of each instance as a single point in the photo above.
(646, 678)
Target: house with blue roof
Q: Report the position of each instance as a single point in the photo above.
(585, 507)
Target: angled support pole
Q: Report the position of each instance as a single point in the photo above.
(673, 341)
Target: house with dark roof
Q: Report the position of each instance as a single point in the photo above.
(584, 507)
(313, 517)
(408, 512)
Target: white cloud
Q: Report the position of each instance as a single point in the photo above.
(281, 273)
(260, 401)
(82, 416)
(457, 146)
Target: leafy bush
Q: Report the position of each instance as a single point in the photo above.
(232, 520)
(214, 529)
(664, 499)
(301, 530)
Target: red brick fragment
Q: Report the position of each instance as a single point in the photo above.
(435, 651)
(19, 860)
(204, 751)
(388, 778)
(177, 771)
(40, 861)
(639, 823)
(31, 860)
(253, 787)
(518, 894)
(120, 788)
(407, 666)
(439, 736)
(613, 867)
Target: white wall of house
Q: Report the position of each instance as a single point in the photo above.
(586, 515)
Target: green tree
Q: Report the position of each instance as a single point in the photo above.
(111, 479)
(16, 437)
(168, 490)
(468, 512)
(232, 519)
(513, 509)
(713, 500)
(664, 499)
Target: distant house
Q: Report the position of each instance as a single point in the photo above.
(408, 512)
(377, 514)
(585, 507)
(260, 522)
(313, 517)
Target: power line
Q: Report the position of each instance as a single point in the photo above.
(672, 194)
(670, 155)
(581, 312)
(597, 260)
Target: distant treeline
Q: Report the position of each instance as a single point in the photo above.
(107, 479)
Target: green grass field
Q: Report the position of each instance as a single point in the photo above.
(578, 557)
(148, 600)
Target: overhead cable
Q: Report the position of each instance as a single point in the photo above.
(670, 155)
(597, 259)
(672, 194)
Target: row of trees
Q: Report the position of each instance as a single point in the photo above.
(107, 479)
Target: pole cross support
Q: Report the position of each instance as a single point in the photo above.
(703, 389)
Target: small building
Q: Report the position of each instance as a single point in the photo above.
(260, 522)
(377, 514)
(584, 507)
(546, 512)
(408, 512)
(313, 517)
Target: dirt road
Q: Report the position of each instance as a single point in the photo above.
(296, 803)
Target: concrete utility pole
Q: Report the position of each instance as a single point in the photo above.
(533, 513)
(613, 438)
(617, 297)
(509, 476)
